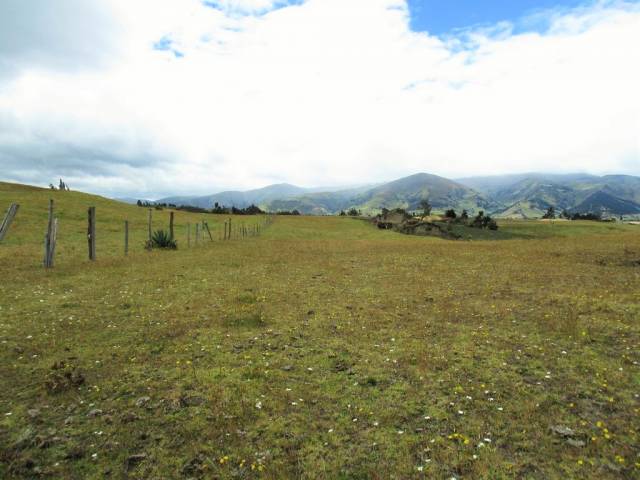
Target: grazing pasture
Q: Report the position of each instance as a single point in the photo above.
(324, 348)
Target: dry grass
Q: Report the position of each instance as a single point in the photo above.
(323, 349)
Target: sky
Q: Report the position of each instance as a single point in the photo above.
(442, 17)
(161, 97)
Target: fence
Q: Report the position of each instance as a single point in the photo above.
(232, 229)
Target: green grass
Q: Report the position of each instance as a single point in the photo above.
(324, 348)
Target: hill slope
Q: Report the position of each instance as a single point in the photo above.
(605, 203)
(529, 195)
(239, 199)
(405, 193)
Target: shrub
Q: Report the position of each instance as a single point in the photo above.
(426, 207)
(451, 213)
(162, 239)
(484, 221)
(550, 214)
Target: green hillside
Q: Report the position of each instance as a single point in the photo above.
(404, 193)
(26, 236)
(408, 192)
(532, 195)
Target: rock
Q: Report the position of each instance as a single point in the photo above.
(96, 412)
(576, 443)
(142, 401)
(68, 420)
(287, 368)
(134, 460)
(192, 401)
(129, 417)
(562, 431)
(75, 452)
(33, 412)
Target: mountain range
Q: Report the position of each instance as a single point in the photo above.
(507, 196)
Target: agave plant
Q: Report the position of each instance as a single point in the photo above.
(162, 239)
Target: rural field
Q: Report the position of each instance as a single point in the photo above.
(322, 349)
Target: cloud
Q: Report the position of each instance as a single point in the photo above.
(70, 35)
(320, 92)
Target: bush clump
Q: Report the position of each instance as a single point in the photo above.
(484, 221)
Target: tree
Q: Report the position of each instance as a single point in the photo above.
(451, 213)
(342, 213)
(352, 212)
(426, 207)
(464, 215)
(551, 213)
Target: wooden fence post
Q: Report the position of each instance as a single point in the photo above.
(126, 237)
(91, 233)
(197, 232)
(54, 238)
(48, 238)
(206, 224)
(188, 234)
(8, 218)
(171, 225)
(229, 228)
(150, 233)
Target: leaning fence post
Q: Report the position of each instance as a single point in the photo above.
(206, 225)
(91, 233)
(171, 225)
(8, 218)
(126, 237)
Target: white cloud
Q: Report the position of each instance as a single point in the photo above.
(327, 92)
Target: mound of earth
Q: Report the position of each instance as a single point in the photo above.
(401, 222)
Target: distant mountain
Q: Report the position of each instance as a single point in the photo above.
(319, 203)
(530, 195)
(239, 199)
(405, 193)
(490, 185)
(409, 191)
(527, 195)
(603, 202)
(129, 200)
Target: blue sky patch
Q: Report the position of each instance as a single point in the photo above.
(165, 44)
(442, 17)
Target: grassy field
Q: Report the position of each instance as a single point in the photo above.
(324, 348)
